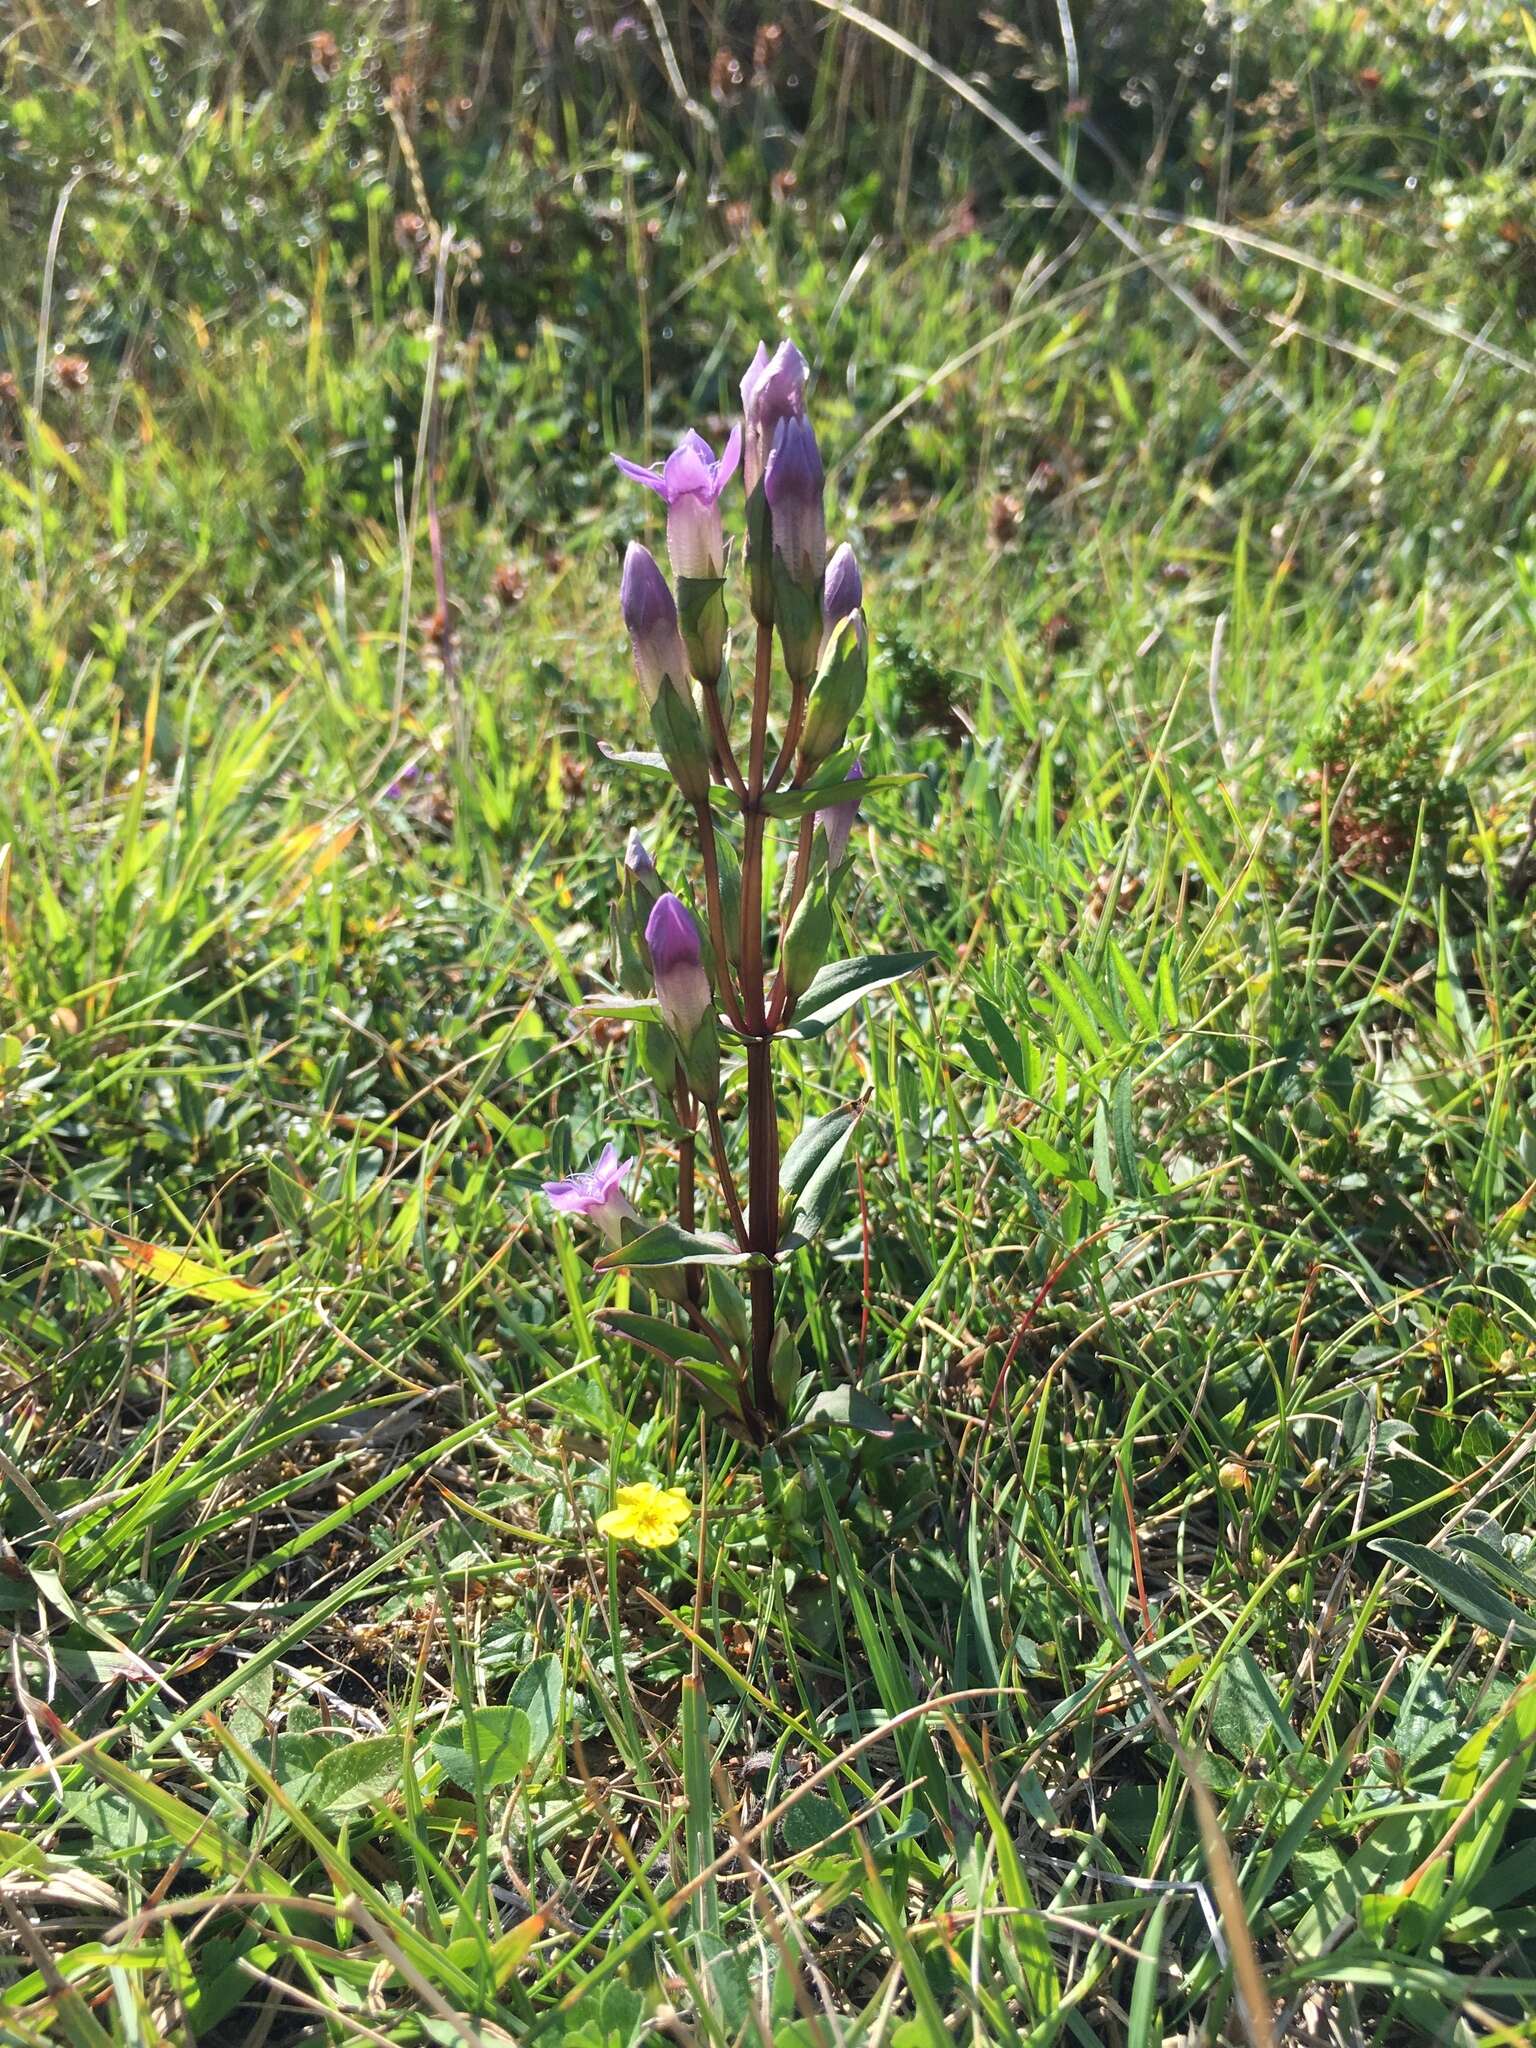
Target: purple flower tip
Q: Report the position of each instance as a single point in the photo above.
(588, 1192)
(672, 935)
(690, 471)
(645, 595)
(794, 466)
(844, 591)
(636, 859)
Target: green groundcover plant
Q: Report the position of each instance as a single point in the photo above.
(708, 994)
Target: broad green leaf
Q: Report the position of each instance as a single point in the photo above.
(667, 1245)
(841, 984)
(359, 1774)
(537, 1692)
(484, 1746)
(847, 1408)
(811, 1172)
(1462, 1586)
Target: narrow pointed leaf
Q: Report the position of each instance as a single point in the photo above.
(1461, 1586)
(676, 1345)
(666, 1244)
(843, 982)
(810, 1175)
(824, 791)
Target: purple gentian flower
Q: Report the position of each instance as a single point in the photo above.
(677, 959)
(792, 485)
(651, 616)
(636, 858)
(838, 820)
(773, 390)
(690, 485)
(595, 1194)
(843, 591)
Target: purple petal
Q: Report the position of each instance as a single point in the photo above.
(690, 470)
(645, 596)
(672, 935)
(725, 469)
(640, 475)
(844, 591)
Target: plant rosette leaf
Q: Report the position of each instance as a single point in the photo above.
(485, 1746)
(846, 1408)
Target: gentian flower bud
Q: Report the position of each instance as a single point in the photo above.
(807, 938)
(792, 485)
(684, 993)
(651, 617)
(596, 1194)
(772, 390)
(838, 690)
(843, 591)
(837, 822)
(640, 869)
(661, 667)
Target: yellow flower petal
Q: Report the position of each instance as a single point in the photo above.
(646, 1514)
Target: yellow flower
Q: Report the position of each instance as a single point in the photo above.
(652, 1516)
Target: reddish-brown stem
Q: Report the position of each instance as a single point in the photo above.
(725, 753)
(728, 995)
(687, 1160)
(727, 1178)
(706, 1328)
(763, 1216)
(762, 1117)
(752, 841)
(791, 736)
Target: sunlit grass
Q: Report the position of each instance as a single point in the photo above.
(1189, 1239)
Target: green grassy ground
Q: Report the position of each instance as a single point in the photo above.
(1189, 1243)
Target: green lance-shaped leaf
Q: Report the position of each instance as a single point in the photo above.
(676, 1345)
(728, 1307)
(841, 984)
(1462, 1586)
(666, 1244)
(811, 1173)
(827, 790)
(784, 1365)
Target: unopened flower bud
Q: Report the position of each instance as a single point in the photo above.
(807, 938)
(838, 690)
(651, 617)
(772, 391)
(683, 991)
(843, 591)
